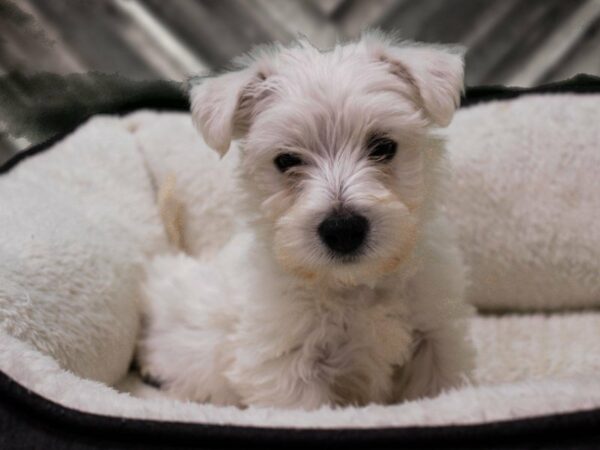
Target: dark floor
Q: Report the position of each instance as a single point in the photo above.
(512, 42)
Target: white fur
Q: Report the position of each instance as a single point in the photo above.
(273, 319)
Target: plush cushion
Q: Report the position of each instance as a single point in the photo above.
(82, 216)
(77, 222)
(526, 198)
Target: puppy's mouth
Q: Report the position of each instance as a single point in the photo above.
(350, 259)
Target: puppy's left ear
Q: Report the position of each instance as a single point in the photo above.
(436, 73)
(223, 106)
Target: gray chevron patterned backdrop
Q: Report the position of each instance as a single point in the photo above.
(511, 42)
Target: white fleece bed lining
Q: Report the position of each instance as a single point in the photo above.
(528, 364)
(537, 396)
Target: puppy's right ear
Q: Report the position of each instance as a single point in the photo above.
(223, 107)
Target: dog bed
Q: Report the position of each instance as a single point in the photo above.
(79, 216)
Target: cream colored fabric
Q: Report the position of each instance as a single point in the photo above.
(76, 223)
(78, 220)
(526, 199)
(514, 379)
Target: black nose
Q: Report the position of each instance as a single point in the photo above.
(344, 232)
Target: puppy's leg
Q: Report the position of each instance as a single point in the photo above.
(188, 316)
(442, 360)
(443, 355)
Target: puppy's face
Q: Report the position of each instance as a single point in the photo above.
(336, 156)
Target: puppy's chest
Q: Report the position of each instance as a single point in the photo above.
(362, 340)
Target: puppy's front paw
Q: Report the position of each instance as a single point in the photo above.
(442, 360)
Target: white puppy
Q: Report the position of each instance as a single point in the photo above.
(344, 284)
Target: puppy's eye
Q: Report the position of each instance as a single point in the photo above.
(382, 149)
(286, 161)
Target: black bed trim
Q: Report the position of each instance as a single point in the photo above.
(41, 423)
(28, 420)
(31, 151)
(579, 84)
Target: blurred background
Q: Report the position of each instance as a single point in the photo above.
(62, 58)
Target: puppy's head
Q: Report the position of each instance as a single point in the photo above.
(336, 153)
